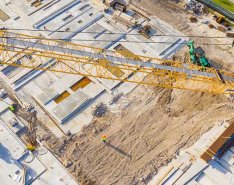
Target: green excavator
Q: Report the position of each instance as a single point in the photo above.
(197, 56)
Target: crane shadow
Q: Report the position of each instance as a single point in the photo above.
(119, 150)
(5, 154)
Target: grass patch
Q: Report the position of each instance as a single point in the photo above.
(228, 5)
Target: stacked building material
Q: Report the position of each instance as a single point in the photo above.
(219, 143)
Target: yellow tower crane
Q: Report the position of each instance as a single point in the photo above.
(36, 53)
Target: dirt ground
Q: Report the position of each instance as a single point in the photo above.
(155, 126)
(145, 137)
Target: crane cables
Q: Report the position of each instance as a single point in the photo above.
(127, 41)
(113, 33)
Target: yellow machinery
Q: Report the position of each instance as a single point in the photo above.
(59, 56)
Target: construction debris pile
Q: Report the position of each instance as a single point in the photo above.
(100, 110)
(196, 7)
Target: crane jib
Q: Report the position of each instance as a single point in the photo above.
(31, 52)
(113, 59)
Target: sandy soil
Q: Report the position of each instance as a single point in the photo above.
(151, 131)
(178, 18)
(146, 136)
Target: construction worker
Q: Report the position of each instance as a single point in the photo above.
(11, 108)
(31, 148)
(104, 139)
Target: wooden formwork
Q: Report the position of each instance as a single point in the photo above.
(214, 148)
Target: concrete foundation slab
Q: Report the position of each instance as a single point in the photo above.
(7, 116)
(34, 168)
(11, 155)
(53, 167)
(65, 109)
(44, 169)
(48, 95)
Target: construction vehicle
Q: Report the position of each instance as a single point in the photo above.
(65, 57)
(197, 56)
(116, 5)
(145, 31)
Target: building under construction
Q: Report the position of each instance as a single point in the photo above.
(76, 60)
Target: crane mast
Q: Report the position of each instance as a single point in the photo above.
(36, 53)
